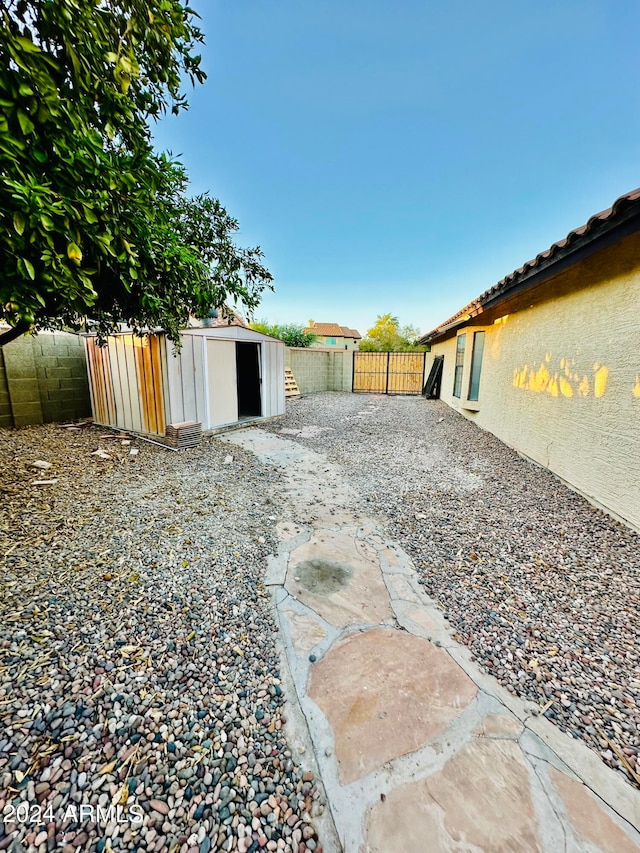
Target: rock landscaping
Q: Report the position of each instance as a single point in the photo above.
(141, 705)
(543, 587)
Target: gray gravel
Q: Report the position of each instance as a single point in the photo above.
(138, 667)
(544, 588)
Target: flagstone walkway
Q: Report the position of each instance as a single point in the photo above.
(417, 749)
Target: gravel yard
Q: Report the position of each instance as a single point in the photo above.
(138, 670)
(541, 586)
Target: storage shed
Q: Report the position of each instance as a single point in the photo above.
(223, 375)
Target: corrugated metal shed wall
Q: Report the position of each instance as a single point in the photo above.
(186, 381)
(128, 382)
(273, 399)
(138, 384)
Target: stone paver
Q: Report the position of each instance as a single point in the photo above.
(386, 693)
(417, 748)
(480, 800)
(335, 579)
(305, 632)
(588, 819)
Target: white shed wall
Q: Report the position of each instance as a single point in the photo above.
(222, 384)
(273, 397)
(139, 384)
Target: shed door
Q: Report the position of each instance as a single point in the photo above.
(223, 395)
(248, 373)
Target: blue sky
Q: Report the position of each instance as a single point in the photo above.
(403, 157)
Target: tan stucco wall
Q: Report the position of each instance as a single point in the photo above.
(561, 377)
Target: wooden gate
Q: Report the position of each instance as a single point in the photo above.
(388, 372)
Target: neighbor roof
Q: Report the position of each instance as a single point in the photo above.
(331, 329)
(350, 333)
(602, 229)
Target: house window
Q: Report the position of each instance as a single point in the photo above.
(331, 341)
(457, 379)
(476, 365)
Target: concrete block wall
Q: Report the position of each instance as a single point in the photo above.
(342, 370)
(43, 378)
(6, 418)
(320, 369)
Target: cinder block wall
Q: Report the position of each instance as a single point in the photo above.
(342, 370)
(320, 369)
(43, 378)
(6, 418)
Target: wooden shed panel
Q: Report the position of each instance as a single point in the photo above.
(100, 385)
(149, 372)
(223, 391)
(164, 356)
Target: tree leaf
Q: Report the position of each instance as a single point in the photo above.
(29, 268)
(19, 222)
(26, 125)
(74, 253)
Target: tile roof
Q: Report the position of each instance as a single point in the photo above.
(622, 210)
(350, 333)
(332, 329)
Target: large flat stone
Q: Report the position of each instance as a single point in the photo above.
(589, 820)
(304, 631)
(386, 694)
(480, 801)
(501, 725)
(333, 576)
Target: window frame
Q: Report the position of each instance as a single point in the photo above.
(474, 360)
(458, 368)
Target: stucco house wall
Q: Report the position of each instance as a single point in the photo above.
(560, 378)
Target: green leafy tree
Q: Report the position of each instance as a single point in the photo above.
(292, 334)
(93, 223)
(386, 335)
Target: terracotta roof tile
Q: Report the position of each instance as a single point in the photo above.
(331, 329)
(350, 333)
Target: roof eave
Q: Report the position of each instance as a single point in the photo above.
(601, 231)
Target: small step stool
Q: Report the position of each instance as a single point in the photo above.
(290, 385)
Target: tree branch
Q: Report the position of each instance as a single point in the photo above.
(14, 332)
